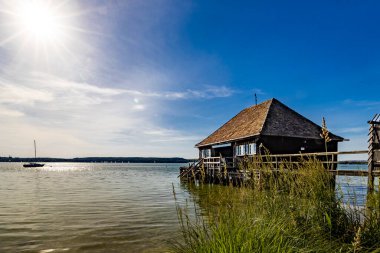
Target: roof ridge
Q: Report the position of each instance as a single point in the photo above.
(266, 101)
(267, 113)
(300, 115)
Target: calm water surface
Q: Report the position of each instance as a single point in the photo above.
(354, 189)
(72, 207)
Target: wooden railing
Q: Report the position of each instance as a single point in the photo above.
(228, 167)
(232, 161)
(323, 157)
(322, 154)
(192, 168)
(219, 163)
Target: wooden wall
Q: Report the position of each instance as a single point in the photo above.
(277, 145)
(290, 145)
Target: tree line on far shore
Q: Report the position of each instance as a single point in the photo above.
(100, 159)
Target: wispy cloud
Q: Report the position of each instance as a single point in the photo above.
(91, 116)
(41, 88)
(353, 130)
(362, 103)
(258, 91)
(209, 92)
(170, 135)
(10, 113)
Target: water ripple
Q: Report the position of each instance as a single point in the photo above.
(68, 207)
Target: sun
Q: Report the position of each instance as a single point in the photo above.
(47, 36)
(39, 21)
(38, 25)
(41, 32)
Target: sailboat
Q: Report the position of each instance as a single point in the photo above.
(33, 165)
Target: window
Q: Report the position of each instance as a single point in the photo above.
(252, 149)
(240, 150)
(206, 153)
(245, 149)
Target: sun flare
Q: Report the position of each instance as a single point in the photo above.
(39, 26)
(41, 32)
(39, 21)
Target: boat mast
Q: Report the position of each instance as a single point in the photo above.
(35, 150)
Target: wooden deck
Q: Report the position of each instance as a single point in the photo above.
(226, 169)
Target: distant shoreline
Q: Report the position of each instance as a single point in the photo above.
(100, 159)
(123, 160)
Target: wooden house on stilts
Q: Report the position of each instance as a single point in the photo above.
(267, 127)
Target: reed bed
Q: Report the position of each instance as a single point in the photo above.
(293, 209)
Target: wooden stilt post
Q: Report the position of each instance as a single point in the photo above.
(370, 161)
(373, 144)
(373, 158)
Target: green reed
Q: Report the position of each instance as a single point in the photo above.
(293, 208)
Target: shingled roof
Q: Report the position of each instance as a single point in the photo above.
(271, 118)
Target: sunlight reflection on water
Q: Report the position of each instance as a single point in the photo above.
(88, 207)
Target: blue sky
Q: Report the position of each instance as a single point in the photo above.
(153, 78)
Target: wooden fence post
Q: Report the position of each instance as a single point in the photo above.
(373, 144)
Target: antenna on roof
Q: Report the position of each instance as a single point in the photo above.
(256, 98)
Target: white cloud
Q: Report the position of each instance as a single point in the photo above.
(98, 120)
(209, 92)
(169, 135)
(38, 88)
(23, 95)
(361, 103)
(258, 91)
(10, 112)
(353, 130)
(139, 107)
(41, 88)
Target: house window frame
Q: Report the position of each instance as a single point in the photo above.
(240, 150)
(206, 153)
(252, 148)
(245, 149)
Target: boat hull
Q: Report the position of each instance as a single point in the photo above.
(33, 165)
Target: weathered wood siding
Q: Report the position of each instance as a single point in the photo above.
(291, 145)
(276, 145)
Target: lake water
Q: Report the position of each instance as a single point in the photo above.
(354, 189)
(75, 207)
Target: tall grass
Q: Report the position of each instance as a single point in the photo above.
(294, 209)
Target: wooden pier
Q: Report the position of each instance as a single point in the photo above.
(222, 169)
(228, 169)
